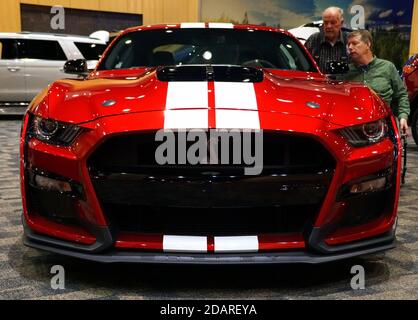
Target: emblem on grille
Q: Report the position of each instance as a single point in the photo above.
(108, 103)
(313, 105)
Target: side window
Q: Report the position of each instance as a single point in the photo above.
(8, 49)
(41, 49)
(90, 51)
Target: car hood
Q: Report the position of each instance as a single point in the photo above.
(288, 93)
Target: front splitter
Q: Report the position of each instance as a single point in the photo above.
(294, 257)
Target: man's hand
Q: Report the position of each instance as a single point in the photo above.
(404, 127)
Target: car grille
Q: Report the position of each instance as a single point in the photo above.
(137, 195)
(209, 221)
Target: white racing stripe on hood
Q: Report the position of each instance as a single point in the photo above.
(236, 119)
(236, 105)
(187, 95)
(235, 95)
(185, 244)
(186, 119)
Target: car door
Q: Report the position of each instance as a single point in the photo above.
(44, 63)
(12, 80)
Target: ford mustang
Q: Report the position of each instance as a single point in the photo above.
(108, 171)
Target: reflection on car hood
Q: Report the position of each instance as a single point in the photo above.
(114, 93)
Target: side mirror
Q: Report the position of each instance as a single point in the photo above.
(336, 67)
(78, 66)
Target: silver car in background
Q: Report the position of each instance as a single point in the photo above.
(31, 61)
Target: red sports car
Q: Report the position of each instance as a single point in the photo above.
(410, 76)
(94, 186)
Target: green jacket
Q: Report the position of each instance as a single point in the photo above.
(382, 76)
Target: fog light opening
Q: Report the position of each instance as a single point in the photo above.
(369, 186)
(52, 184)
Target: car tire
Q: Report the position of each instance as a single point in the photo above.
(414, 125)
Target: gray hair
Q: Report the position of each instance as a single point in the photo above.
(338, 10)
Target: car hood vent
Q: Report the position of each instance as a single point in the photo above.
(210, 73)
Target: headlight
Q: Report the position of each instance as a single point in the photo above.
(45, 128)
(53, 132)
(366, 134)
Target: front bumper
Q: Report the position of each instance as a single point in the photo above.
(366, 247)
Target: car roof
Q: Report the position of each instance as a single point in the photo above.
(203, 25)
(48, 36)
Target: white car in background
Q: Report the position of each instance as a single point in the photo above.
(305, 31)
(30, 61)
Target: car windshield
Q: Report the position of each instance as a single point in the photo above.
(207, 46)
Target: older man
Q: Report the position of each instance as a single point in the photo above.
(330, 43)
(380, 75)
